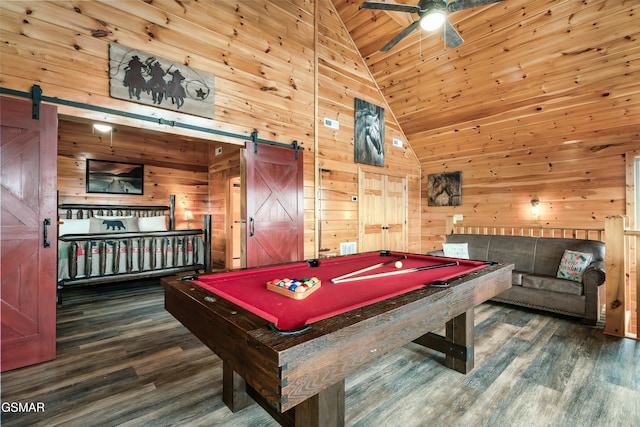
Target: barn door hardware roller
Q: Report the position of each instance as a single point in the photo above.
(294, 145)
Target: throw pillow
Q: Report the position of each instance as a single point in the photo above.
(119, 225)
(152, 223)
(573, 264)
(112, 216)
(456, 250)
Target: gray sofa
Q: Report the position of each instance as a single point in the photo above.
(536, 261)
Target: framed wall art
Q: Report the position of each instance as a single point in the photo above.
(147, 79)
(105, 176)
(444, 189)
(369, 133)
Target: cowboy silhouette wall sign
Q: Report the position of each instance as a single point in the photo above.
(146, 79)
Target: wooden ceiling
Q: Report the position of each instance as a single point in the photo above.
(520, 58)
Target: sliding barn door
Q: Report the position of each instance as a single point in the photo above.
(28, 200)
(274, 205)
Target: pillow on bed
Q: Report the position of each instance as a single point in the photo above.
(74, 226)
(116, 225)
(113, 216)
(456, 250)
(573, 264)
(152, 223)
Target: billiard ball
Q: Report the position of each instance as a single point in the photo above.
(398, 264)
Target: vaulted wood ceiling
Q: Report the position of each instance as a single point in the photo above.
(520, 60)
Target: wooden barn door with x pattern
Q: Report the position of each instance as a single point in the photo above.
(274, 205)
(28, 255)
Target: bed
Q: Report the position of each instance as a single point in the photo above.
(106, 243)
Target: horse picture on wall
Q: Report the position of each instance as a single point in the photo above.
(369, 133)
(444, 189)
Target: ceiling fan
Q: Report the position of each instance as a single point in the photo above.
(433, 16)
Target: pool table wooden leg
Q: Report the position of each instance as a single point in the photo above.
(234, 389)
(459, 330)
(325, 409)
(457, 344)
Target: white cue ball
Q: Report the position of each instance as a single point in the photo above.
(398, 264)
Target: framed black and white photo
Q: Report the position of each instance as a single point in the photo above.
(104, 176)
(369, 133)
(444, 189)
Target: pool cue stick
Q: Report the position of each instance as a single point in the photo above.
(363, 270)
(393, 273)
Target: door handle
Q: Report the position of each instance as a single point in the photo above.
(45, 223)
(252, 229)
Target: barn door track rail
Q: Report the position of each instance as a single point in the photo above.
(37, 97)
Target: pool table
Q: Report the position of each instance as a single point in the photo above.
(292, 355)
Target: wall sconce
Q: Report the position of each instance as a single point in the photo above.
(535, 207)
(102, 128)
(188, 216)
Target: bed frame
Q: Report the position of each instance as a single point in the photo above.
(122, 245)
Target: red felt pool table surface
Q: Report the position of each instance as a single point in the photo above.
(248, 288)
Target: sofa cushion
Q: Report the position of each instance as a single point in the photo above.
(518, 250)
(478, 244)
(456, 250)
(549, 252)
(573, 264)
(552, 284)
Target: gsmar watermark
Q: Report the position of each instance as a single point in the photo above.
(22, 406)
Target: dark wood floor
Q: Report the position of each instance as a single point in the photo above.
(123, 360)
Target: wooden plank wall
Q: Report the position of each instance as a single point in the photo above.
(171, 166)
(280, 68)
(343, 76)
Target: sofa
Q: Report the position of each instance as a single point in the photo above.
(536, 269)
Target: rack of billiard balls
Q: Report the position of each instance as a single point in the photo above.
(294, 288)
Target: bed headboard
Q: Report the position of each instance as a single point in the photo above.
(81, 211)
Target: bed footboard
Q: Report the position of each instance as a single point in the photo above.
(105, 257)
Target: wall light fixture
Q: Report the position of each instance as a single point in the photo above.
(535, 207)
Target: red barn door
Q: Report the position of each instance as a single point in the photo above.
(28, 264)
(274, 205)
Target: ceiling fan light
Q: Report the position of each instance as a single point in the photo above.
(433, 20)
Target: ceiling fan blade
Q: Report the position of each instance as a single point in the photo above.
(402, 34)
(455, 6)
(450, 35)
(390, 6)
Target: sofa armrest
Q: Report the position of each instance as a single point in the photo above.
(592, 278)
(436, 253)
(594, 274)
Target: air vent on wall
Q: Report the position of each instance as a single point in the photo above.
(347, 248)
